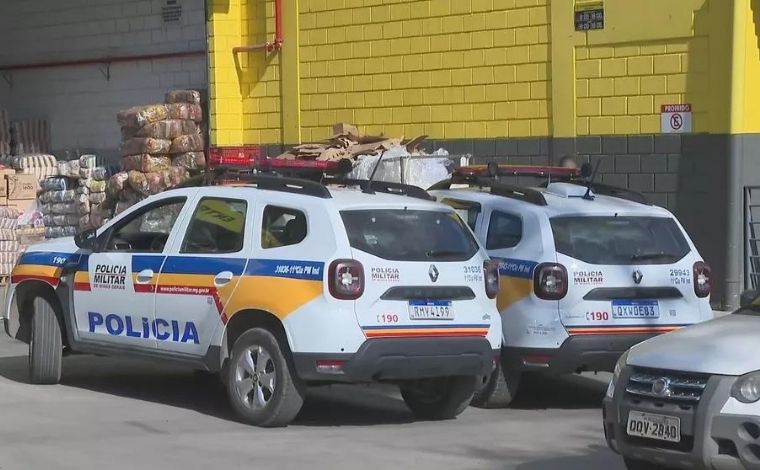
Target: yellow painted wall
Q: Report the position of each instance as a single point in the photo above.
(446, 68)
(480, 68)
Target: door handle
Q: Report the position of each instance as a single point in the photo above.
(223, 278)
(144, 276)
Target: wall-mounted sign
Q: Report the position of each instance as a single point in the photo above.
(589, 15)
(675, 118)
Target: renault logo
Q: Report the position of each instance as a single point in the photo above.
(637, 276)
(661, 387)
(433, 273)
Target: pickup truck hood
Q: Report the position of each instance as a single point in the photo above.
(724, 346)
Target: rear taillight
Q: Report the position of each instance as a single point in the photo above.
(491, 277)
(702, 279)
(346, 279)
(550, 281)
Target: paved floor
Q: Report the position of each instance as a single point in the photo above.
(114, 413)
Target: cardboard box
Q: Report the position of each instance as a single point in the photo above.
(22, 187)
(22, 205)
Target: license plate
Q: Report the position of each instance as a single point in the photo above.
(635, 309)
(652, 426)
(431, 310)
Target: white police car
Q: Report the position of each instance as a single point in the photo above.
(585, 273)
(278, 282)
(690, 399)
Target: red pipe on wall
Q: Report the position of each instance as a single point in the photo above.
(275, 45)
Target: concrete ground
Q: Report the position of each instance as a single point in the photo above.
(120, 414)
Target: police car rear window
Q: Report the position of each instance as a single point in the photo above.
(620, 240)
(410, 235)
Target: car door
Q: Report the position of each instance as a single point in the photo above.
(201, 274)
(114, 286)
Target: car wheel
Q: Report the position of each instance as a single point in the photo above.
(633, 464)
(260, 384)
(439, 398)
(499, 390)
(45, 344)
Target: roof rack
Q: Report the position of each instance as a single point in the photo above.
(492, 170)
(224, 176)
(612, 191)
(518, 192)
(386, 187)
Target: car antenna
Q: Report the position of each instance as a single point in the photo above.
(589, 176)
(368, 189)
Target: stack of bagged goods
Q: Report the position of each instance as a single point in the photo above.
(161, 145)
(5, 134)
(31, 136)
(71, 202)
(91, 192)
(17, 232)
(38, 164)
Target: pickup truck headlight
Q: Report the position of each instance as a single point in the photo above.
(746, 389)
(622, 362)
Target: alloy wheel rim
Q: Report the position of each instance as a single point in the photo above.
(255, 377)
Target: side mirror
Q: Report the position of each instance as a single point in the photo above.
(86, 239)
(748, 298)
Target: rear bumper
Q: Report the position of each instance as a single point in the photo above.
(577, 353)
(399, 359)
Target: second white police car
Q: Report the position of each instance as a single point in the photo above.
(588, 270)
(279, 283)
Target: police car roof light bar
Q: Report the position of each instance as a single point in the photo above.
(386, 187)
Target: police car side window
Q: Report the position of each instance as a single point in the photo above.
(504, 231)
(282, 226)
(217, 226)
(147, 230)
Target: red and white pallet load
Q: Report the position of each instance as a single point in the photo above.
(17, 231)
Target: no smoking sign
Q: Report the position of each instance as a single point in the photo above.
(675, 118)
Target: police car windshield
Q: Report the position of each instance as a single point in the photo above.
(620, 240)
(410, 235)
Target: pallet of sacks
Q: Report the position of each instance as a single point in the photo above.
(69, 200)
(162, 144)
(17, 233)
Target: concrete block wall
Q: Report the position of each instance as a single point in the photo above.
(79, 101)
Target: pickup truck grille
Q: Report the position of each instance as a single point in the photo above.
(667, 385)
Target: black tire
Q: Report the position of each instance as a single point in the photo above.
(633, 464)
(499, 390)
(439, 398)
(280, 399)
(45, 344)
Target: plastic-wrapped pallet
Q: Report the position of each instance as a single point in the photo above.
(39, 164)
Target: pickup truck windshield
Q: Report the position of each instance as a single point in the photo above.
(410, 235)
(619, 240)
